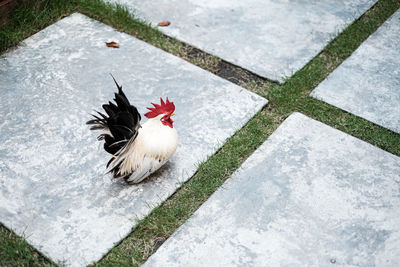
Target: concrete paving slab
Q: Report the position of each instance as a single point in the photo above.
(367, 84)
(272, 38)
(309, 196)
(53, 186)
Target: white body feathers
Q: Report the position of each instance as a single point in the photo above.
(153, 147)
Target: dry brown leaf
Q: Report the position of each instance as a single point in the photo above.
(113, 44)
(164, 23)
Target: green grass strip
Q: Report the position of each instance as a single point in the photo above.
(284, 99)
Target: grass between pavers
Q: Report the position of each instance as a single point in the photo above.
(284, 99)
(14, 251)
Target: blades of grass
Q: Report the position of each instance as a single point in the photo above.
(15, 251)
(30, 17)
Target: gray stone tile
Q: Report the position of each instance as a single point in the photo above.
(309, 196)
(273, 38)
(53, 186)
(367, 84)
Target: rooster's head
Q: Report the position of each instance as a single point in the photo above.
(166, 109)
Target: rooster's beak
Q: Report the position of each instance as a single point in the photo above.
(172, 114)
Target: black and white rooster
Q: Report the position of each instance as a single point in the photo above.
(137, 150)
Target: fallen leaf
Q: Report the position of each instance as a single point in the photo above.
(113, 44)
(164, 23)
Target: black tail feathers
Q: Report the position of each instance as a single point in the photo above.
(121, 123)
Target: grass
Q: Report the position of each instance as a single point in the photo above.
(14, 251)
(284, 99)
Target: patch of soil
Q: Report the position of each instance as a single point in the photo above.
(226, 70)
(236, 74)
(6, 8)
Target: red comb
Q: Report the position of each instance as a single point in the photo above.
(165, 108)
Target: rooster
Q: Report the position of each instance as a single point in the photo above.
(137, 150)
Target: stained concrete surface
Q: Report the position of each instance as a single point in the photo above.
(309, 196)
(272, 38)
(367, 84)
(53, 186)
